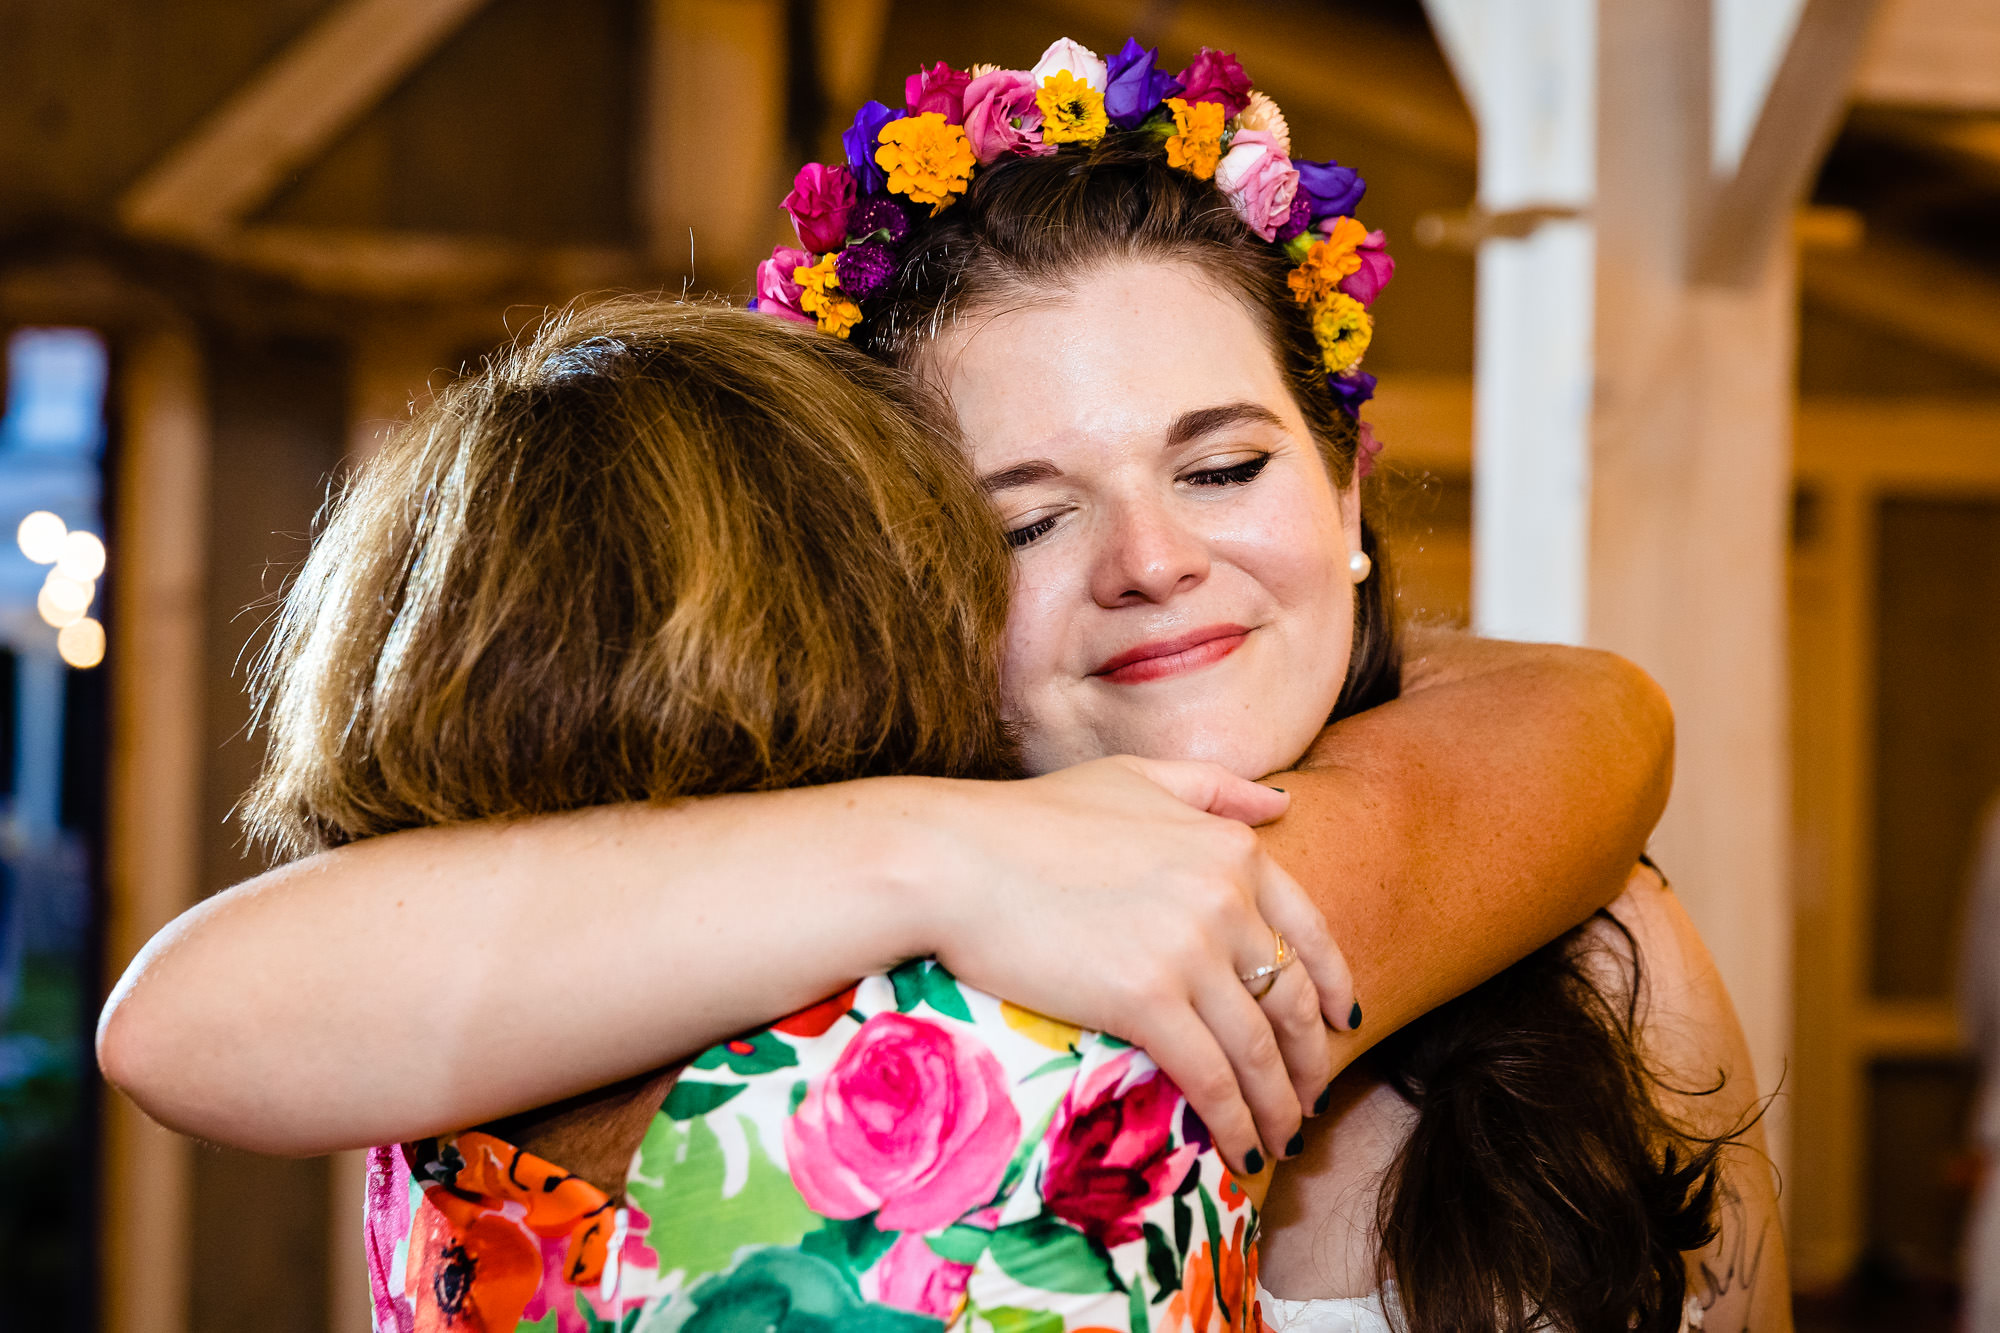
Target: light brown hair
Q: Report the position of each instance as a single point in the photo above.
(652, 550)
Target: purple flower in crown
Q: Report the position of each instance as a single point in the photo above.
(880, 214)
(1135, 85)
(1335, 189)
(864, 270)
(1298, 220)
(939, 88)
(1216, 76)
(822, 197)
(861, 139)
(1351, 389)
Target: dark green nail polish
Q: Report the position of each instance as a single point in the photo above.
(1279, 789)
(1325, 1100)
(1297, 1145)
(1253, 1161)
(1354, 1016)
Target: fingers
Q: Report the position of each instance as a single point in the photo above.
(1187, 1052)
(1212, 788)
(1285, 905)
(1252, 1047)
(1291, 1007)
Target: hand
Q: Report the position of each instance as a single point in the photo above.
(1131, 895)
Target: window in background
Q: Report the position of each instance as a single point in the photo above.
(52, 438)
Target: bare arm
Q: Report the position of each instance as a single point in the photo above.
(1503, 799)
(439, 978)
(1689, 1030)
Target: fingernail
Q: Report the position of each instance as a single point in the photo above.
(1253, 1161)
(1297, 1145)
(1280, 789)
(1354, 1016)
(1325, 1100)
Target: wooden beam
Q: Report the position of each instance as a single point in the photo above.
(155, 820)
(1362, 73)
(286, 115)
(1913, 291)
(1744, 213)
(708, 200)
(1934, 53)
(418, 266)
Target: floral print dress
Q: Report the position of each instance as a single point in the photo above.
(909, 1156)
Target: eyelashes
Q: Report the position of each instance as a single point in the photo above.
(1236, 474)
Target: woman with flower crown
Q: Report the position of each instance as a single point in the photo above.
(873, 249)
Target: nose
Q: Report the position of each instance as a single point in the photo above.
(1146, 555)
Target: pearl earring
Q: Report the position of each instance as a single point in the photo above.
(1359, 566)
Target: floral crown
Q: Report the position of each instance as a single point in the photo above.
(852, 217)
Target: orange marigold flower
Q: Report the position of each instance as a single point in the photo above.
(819, 296)
(1196, 143)
(927, 159)
(1327, 261)
(1344, 328)
(1072, 110)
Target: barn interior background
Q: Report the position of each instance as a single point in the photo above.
(1712, 285)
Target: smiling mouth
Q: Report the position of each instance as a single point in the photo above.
(1172, 657)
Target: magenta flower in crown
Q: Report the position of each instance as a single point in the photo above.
(1216, 76)
(939, 88)
(1259, 181)
(1001, 117)
(821, 200)
(864, 270)
(1367, 282)
(778, 292)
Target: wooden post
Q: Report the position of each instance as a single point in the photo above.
(155, 854)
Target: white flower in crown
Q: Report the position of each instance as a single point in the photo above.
(1263, 114)
(1078, 61)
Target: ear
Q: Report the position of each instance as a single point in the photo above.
(1349, 497)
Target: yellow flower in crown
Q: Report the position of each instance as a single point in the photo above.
(1344, 328)
(1327, 261)
(927, 158)
(1072, 110)
(819, 296)
(1196, 143)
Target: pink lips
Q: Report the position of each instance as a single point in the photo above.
(1171, 657)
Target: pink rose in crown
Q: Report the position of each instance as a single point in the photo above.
(1001, 116)
(914, 1277)
(1377, 267)
(1259, 181)
(939, 88)
(821, 200)
(911, 1120)
(777, 290)
(1217, 76)
(1111, 1149)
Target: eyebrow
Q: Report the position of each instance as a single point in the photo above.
(1191, 426)
(1021, 474)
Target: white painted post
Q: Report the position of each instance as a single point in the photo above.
(1529, 68)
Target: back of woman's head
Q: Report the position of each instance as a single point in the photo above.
(652, 550)
(1029, 228)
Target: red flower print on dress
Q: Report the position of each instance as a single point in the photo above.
(815, 1019)
(912, 1120)
(1111, 1149)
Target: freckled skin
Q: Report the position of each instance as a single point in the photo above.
(1130, 547)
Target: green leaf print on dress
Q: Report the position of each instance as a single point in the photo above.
(681, 1179)
(780, 1291)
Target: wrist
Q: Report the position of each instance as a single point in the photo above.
(910, 837)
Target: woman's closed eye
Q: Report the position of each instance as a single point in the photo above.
(1236, 474)
(1031, 531)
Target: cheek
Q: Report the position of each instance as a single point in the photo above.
(1033, 641)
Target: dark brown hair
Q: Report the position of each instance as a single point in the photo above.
(652, 550)
(1542, 1185)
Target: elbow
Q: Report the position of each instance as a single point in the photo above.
(1649, 718)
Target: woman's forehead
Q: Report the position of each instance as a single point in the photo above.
(1128, 352)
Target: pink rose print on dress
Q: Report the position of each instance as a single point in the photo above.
(912, 1121)
(914, 1277)
(1111, 1150)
